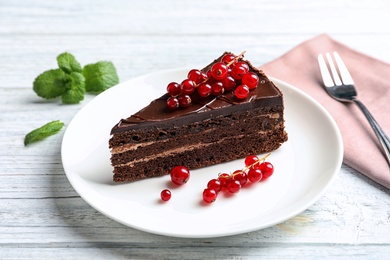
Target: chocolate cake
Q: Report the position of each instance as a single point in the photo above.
(211, 130)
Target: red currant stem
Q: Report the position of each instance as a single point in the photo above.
(236, 173)
(262, 159)
(204, 81)
(226, 177)
(236, 58)
(228, 65)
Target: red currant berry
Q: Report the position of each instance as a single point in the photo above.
(241, 92)
(165, 195)
(223, 178)
(254, 175)
(180, 175)
(250, 79)
(196, 76)
(240, 176)
(209, 195)
(172, 103)
(228, 83)
(208, 74)
(173, 89)
(215, 184)
(233, 186)
(267, 169)
(239, 70)
(227, 58)
(204, 90)
(243, 64)
(184, 100)
(219, 70)
(217, 88)
(187, 87)
(251, 159)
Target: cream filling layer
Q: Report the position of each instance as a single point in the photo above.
(181, 149)
(132, 147)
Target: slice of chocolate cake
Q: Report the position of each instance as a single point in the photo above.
(211, 127)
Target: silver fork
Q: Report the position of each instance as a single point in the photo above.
(344, 90)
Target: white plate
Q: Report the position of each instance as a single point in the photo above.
(304, 167)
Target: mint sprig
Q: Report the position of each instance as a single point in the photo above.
(50, 84)
(75, 89)
(43, 132)
(100, 76)
(71, 81)
(68, 63)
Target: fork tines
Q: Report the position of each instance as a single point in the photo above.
(340, 71)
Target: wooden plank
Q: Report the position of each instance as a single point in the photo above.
(204, 251)
(173, 17)
(50, 208)
(138, 55)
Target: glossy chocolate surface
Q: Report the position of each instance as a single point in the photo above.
(157, 114)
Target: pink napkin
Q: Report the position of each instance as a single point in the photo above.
(362, 150)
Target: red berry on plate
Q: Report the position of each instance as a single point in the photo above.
(223, 178)
(172, 103)
(254, 175)
(267, 169)
(215, 184)
(165, 195)
(241, 176)
(250, 79)
(173, 89)
(251, 159)
(233, 186)
(219, 70)
(180, 175)
(209, 195)
(241, 92)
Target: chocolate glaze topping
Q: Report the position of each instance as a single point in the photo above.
(158, 115)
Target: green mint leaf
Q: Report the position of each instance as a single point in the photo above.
(43, 132)
(50, 84)
(76, 89)
(68, 63)
(100, 76)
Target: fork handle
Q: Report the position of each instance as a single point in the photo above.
(383, 139)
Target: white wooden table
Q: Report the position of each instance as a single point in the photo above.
(42, 217)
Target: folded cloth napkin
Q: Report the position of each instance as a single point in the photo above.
(362, 150)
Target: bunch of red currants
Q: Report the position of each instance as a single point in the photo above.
(256, 169)
(228, 74)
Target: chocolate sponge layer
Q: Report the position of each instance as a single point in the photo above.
(217, 152)
(168, 140)
(199, 144)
